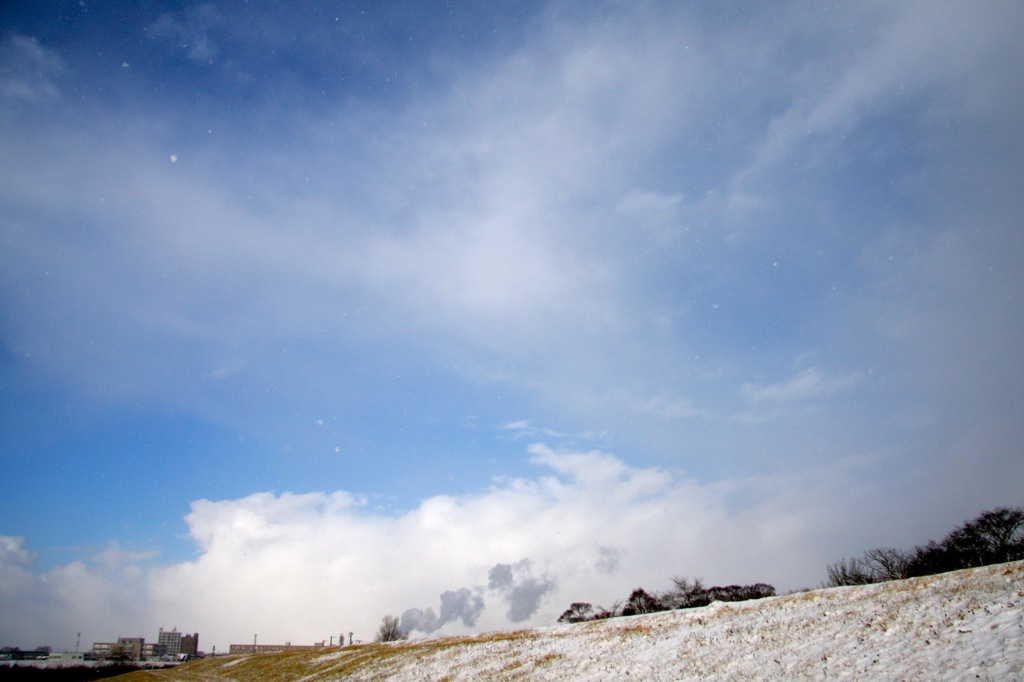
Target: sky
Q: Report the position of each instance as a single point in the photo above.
(315, 312)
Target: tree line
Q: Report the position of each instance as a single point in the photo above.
(994, 537)
(684, 594)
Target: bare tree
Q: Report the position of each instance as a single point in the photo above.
(685, 585)
(640, 601)
(847, 572)
(685, 593)
(887, 563)
(614, 611)
(994, 537)
(577, 612)
(389, 630)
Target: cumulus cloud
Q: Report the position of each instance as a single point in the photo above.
(299, 567)
(86, 593)
(15, 563)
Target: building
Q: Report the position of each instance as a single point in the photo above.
(177, 645)
(271, 648)
(15, 654)
(190, 645)
(170, 640)
(152, 651)
(103, 650)
(125, 649)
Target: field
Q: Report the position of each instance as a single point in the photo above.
(954, 626)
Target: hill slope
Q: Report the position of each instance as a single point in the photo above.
(955, 626)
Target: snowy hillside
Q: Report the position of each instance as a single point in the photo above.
(955, 626)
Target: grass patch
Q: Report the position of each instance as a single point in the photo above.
(546, 659)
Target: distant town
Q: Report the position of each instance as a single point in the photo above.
(171, 646)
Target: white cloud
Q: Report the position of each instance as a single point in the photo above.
(470, 270)
(501, 240)
(191, 33)
(14, 553)
(505, 248)
(28, 71)
(673, 408)
(48, 601)
(809, 391)
(808, 384)
(115, 557)
(525, 429)
(654, 206)
(896, 56)
(304, 567)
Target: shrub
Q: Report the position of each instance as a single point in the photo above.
(691, 594)
(685, 594)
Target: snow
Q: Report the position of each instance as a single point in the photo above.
(954, 626)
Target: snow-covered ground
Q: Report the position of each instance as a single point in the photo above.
(956, 626)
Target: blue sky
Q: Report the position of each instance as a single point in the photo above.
(484, 308)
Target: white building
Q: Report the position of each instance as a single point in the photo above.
(170, 640)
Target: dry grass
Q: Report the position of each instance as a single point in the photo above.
(634, 629)
(381, 659)
(861, 614)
